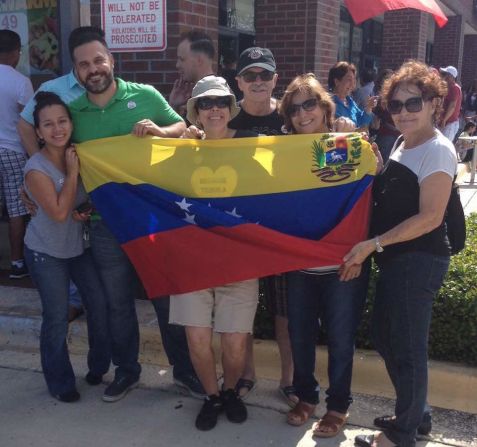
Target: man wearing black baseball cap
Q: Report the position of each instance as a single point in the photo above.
(256, 78)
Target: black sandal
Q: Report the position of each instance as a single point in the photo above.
(247, 384)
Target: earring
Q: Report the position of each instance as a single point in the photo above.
(41, 142)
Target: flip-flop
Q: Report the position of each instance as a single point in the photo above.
(247, 384)
(330, 421)
(286, 392)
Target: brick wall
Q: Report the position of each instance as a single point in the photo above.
(449, 43)
(302, 35)
(158, 67)
(469, 60)
(404, 37)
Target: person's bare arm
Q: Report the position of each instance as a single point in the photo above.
(433, 198)
(148, 127)
(448, 112)
(28, 137)
(58, 206)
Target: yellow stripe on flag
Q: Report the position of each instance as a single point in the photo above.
(229, 167)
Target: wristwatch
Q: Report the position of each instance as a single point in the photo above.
(377, 245)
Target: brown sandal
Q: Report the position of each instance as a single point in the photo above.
(300, 413)
(332, 423)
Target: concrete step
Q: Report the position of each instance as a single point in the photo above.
(451, 386)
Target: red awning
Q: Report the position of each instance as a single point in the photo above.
(362, 10)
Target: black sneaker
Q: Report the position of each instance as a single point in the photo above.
(209, 413)
(191, 384)
(234, 407)
(118, 388)
(18, 272)
(93, 379)
(424, 428)
(70, 396)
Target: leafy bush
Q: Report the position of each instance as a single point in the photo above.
(453, 335)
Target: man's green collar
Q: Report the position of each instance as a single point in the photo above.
(83, 101)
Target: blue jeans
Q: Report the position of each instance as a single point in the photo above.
(74, 298)
(119, 281)
(174, 340)
(324, 299)
(52, 277)
(405, 291)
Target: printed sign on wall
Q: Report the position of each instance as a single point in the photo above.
(134, 26)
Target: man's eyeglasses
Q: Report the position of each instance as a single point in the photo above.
(207, 102)
(307, 106)
(252, 76)
(412, 105)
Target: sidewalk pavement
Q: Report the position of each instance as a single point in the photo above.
(156, 415)
(468, 192)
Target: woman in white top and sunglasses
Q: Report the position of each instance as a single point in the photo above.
(409, 244)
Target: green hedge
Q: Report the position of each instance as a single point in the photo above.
(453, 335)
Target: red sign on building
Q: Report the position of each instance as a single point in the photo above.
(134, 25)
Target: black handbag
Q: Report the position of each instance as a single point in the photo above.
(455, 221)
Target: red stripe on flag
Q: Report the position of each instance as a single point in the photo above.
(190, 258)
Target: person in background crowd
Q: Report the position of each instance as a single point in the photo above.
(341, 81)
(228, 309)
(67, 88)
(195, 59)
(140, 110)
(317, 297)
(15, 91)
(449, 121)
(470, 102)
(465, 149)
(366, 78)
(382, 128)
(410, 246)
(55, 250)
(229, 72)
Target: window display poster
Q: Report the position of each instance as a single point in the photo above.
(132, 25)
(36, 23)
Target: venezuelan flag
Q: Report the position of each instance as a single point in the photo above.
(195, 214)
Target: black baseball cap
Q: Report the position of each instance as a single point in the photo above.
(256, 57)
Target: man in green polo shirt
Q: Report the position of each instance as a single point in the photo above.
(112, 107)
(132, 107)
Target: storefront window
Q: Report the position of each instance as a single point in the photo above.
(360, 44)
(356, 45)
(343, 49)
(237, 14)
(37, 24)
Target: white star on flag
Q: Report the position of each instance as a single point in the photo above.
(233, 213)
(190, 218)
(183, 205)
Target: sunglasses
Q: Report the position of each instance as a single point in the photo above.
(207, 103)
(252, 76)
(307, 106)
(412, 105)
